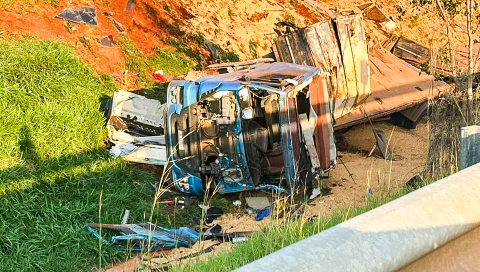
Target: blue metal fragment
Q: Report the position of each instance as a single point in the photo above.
(263, 213)
(369, 192)
(272, 188)
(145, 236)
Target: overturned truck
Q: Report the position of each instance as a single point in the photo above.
(248, 129)
(267, 124)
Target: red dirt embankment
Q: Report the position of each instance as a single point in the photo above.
(147, 24)
(233, 25)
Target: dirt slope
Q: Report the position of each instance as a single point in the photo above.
(245, 27)
(151, 23)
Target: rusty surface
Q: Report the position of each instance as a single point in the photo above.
(319, 98)
(461, 254)
(396, 85)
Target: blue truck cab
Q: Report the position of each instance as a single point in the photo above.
(253, 127)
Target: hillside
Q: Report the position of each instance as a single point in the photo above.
(55, 172)
(245, 27)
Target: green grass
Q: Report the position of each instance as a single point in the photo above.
(171, 62)
(26, 5)
(275, 237)
(53, 164)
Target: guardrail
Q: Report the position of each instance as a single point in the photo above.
(403, 233)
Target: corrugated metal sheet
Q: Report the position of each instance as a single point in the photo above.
(395, 85)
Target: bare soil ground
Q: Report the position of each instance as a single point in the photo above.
(409, 148)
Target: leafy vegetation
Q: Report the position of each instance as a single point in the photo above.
(199, 39)
(289, 19)
(53, 164)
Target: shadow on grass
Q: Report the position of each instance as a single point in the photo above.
(35, 170)
(45, 204)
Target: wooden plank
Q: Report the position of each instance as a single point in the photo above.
(355, 60)
(325, 50)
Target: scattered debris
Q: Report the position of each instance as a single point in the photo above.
(237, 203)
(414, 183)
(135, 126)
(381, 144)
(133, 236)
(257, 203)
(236, 66)
(315, 193)
(234, 237)
(212, 231)
(203, 207)
(369, 192)
(120, 28)
(130, 5)
(372, 12)
(212, 213)
(238, 239)
(106, 41)
(168, 201)
(408, 50)
(420, 56)
(158, 76)
(83, 15)
(186, 201)
(125, 217)
(271, 187)
(263, 213)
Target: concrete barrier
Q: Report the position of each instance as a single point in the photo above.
(390, 236)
